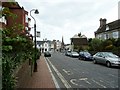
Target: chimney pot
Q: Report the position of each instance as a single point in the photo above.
(102, 22)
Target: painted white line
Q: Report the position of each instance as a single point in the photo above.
(73, 82)
(114, 75)
(85, 79)
(99, 83)
(53, 77)
(87, 82)
(67, 72)
(64, 81)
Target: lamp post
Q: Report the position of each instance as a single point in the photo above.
(35, 63)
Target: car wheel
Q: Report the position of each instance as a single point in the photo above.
(108, 64)
(94, 61)
(84, 59)
(79, 58)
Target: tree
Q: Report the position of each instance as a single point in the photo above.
(117, 43)
(96, 44)
(16, 49)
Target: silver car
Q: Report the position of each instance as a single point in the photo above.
(107, 58)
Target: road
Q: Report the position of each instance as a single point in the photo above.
(70, 72)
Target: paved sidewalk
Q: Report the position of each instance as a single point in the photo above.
(40, 79)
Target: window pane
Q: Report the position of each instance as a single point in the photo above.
(115, 34)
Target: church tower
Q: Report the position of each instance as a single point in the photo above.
(62, 44)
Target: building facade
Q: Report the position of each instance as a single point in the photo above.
(47, 45)
(44, 46)
(108, 30)
(16, 17)
(58, 45)
(78, 42)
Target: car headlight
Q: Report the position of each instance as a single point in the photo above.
(86, 56)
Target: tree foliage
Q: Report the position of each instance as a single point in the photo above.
(96, 44)
(111, 44)
(16, 48)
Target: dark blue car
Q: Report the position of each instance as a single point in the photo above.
(84, 55)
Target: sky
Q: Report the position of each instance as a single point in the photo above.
(66, 18)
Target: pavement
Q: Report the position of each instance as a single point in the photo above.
(40, 79)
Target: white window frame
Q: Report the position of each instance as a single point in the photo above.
(115, 34)
(3, 20)
(107, 27)
(26, 18)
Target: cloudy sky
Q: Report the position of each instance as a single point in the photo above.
(66, 18)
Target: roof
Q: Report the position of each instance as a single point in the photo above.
(112, 26)
(42, 42)
(11, 5)
(75, 36)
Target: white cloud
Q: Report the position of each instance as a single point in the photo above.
(65, 18)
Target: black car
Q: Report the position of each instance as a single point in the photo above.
(85, 55)
(47, 54)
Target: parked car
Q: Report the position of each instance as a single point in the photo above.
(74, 54)
(67, 53)
(107, 58)
(85, 55)
(47, 54)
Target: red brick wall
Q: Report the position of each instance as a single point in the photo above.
(20, 16)
(18, 20)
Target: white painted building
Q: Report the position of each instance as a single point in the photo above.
(44, 46)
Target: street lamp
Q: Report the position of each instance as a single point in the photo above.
(35, 63)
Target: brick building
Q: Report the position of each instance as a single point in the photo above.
(18, 17)
(79, 42)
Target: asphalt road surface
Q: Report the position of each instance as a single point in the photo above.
(70, 72)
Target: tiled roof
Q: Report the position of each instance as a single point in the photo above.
(112, 26)
(42, 42)
(75, 36)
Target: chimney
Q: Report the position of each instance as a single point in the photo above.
(102, 22)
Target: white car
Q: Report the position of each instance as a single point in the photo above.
(74, 54)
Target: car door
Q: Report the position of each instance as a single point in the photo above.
(82, 55)
(102, 58)
(99, 58)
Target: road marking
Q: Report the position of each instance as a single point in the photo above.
(73, 81)
(87, 82)
(54, 79)
(85, 79)
(114, 75)
(99, 83)
(67, 72)
(64, 81)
